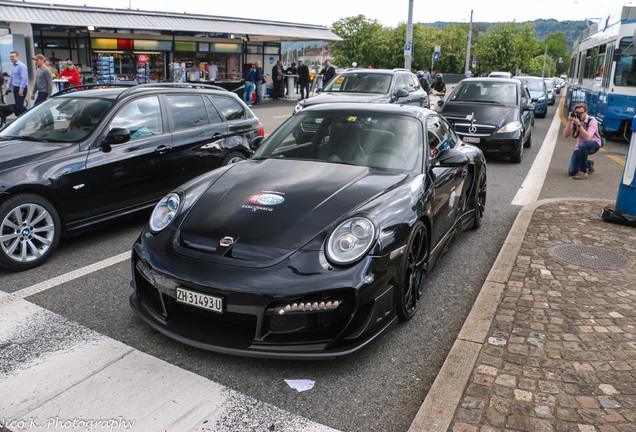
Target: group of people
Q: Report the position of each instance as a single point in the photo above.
(254, 78)
(43, 87)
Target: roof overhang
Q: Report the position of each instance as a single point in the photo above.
(256, 30)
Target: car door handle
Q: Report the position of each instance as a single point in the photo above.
(163, 149)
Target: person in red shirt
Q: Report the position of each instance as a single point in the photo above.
(71, 74)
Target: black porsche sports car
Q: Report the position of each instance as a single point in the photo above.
(316, 245)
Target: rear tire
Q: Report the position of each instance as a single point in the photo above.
(233, 157)
(412, 273)
(29, 232)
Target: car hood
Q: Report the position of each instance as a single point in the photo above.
(17, 153)
(326, 97)
(490, 114)
(267, 215)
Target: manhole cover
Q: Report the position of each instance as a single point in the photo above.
(590, 256)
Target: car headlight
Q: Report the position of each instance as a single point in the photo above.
(164, 212)
(350, 240)
(510, 127)
(299, 106)
(541, 99)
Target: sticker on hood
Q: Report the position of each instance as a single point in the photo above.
(266, 199)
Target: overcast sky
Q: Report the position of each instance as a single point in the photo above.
(389, 13)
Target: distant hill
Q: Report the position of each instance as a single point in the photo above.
(542, 28)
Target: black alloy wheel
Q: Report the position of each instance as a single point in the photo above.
(29, 231)
(233, 157)
(412, 273)
(480, 200)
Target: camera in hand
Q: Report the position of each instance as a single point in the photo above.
(575, 114)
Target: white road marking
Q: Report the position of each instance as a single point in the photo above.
(58, 375)
(67, 277)
(532, 185)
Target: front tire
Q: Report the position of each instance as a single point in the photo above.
(516, 158)
(412, 273)
(528, 142)
(29, 232)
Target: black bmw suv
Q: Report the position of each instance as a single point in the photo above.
(86, 157)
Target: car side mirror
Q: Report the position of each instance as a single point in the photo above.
(401, 93)
(528, 107)
(257, 142)
(115, 136)
(440, 103)
(450, 158)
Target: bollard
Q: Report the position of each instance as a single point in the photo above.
(626, 198)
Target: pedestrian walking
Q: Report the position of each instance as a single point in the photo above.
(249, 75)
(588, 141)
(19, 80)
(260, 78)
(43, 81)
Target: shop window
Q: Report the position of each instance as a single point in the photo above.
(142, 117)
(230, 109)
(187, 112)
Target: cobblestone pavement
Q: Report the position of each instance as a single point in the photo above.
(560, 354)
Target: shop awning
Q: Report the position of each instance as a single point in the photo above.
(257, 30)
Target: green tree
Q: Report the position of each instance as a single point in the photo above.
(497, 50)
(362, 41)
(528, 46)
(557, 44)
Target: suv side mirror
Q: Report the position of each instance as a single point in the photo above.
(401, 93)
(255, 143)
(450, 158)
(115, 136)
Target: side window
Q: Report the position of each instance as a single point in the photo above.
(213, 115)
(187, 111)
(230, 109)
(400, 83)
(415, 82)
(440, 135)
(525, 96)
(142, 117)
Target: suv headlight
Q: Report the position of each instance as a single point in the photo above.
(350, 240)
(541, 99)
(299, 106)
(510, 127)
(164, 212)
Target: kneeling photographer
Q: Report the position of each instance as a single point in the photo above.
(588, 141)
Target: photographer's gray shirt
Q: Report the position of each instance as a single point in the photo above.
(44, 80)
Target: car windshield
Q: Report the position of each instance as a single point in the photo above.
(533, 84)
(59, 119)
(548, 84)
(347, 137)
(483, 91)
(360, 82)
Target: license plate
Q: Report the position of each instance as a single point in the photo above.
(470, 139)
(202, 301)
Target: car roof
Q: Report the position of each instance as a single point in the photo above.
(117, 92)
(397, 109)
(528, 78)
(490, 79)
(375, 71)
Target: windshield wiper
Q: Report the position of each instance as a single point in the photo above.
(28, 138)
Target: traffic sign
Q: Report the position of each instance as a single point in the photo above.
(474, 61)
(436, 56)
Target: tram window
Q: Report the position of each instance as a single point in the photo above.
(591, 57)
(626, 65)
(600, 63)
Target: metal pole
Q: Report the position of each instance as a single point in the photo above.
(544, 56)
(408, 56)
(470, 35)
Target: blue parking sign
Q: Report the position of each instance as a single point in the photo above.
(436, 56)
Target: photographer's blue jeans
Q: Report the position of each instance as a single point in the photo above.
(579, 161)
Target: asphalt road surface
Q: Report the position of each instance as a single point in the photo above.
(78, 302)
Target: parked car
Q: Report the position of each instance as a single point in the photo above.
(86, 157)
(549, 85)
(371, 85)
(500, 75)
(316, 245)
(538, 92)
(495, 114)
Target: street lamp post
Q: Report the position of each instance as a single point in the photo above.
(408, 47)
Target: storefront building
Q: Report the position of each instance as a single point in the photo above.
(115, 46)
